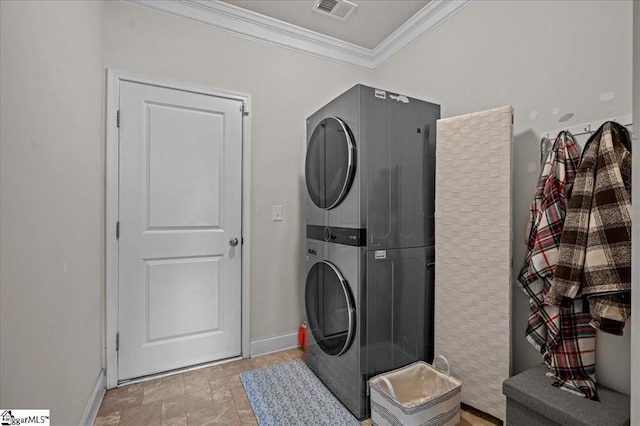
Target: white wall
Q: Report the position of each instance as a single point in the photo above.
(286, 87)
(546, 59)
(52, 175)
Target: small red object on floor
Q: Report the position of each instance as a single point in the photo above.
(302, 336)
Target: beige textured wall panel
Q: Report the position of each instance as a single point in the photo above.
(473, 253)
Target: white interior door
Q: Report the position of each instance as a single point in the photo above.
(179, 283)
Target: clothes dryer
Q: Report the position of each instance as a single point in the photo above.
(334, 170)
(370, 166)
(370, 177)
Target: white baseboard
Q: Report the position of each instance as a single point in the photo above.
(91, 410)
(274, 344)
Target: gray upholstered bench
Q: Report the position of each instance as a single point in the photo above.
(532, 400)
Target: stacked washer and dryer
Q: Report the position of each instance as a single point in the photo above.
(370, 175)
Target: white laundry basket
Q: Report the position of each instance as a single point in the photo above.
(417, 394)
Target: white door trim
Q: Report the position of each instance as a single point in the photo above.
(114, 78)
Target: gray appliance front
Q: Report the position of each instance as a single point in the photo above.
(399, 306)
(348, 212)
(401, 140)
(387, 209)
(335, 336)
(393, 186)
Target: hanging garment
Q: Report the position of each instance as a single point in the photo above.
(594, 257)
(561, 334)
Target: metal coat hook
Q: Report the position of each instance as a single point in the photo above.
(587, 128)
(543, 147)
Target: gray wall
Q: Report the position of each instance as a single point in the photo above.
(546, 59)
(52, 177)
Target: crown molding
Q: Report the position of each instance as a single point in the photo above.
(423, 22)
(255, 26)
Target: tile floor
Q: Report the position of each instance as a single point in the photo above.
(208, 396)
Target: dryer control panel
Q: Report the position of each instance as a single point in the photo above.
(347, 236)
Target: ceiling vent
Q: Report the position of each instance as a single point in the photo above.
(339, 9)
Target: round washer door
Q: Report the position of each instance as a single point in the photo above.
(330, 309)
(330, 163)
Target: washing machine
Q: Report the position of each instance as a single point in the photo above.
(334, 299)
(370, 177)
(362, 325)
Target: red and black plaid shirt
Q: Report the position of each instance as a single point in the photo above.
(561, 334)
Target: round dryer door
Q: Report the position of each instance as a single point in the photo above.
(330, 309)
(330, 163)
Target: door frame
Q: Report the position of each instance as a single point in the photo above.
(114, 78)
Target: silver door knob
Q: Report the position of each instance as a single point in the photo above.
(233, 242)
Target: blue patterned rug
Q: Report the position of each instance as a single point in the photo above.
(290, 394)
